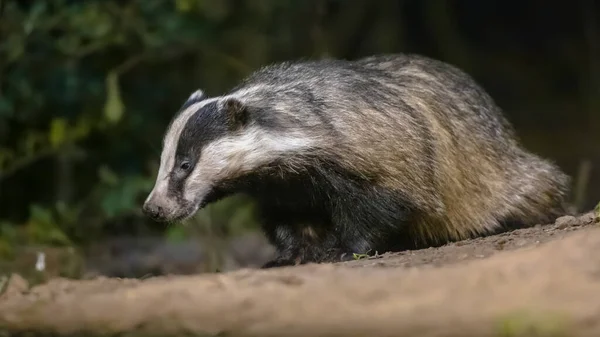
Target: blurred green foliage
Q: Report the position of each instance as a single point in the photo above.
(87, 89)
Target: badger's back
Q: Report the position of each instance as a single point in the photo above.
(484, 177)
(418, 126)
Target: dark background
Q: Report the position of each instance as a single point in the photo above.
(87, 89)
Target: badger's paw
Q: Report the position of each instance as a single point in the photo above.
(279, 262)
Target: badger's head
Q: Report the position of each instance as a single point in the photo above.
(211, 141)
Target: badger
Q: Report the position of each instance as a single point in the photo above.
(384, 153)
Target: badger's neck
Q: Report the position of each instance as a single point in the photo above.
(312, 185)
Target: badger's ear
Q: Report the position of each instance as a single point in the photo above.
(236, 113)
(195, 97)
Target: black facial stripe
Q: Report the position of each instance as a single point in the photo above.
(204, 126)
(175, 187)
(185, 105)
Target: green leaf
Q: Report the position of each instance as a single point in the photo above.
(67, 214)
(55, 235)
(36, 12)
(114, 107)
(359, 256)
(58, 131)
(43, 228)
(40, 214)
(597, 211)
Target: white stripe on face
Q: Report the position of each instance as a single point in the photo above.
(234, 155)
(170, 141)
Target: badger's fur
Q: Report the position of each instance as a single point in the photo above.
(380, 154)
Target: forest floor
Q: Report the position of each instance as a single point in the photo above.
(540, 281)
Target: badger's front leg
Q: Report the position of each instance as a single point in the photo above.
(285, 242)
(299, 244)
(308, 243)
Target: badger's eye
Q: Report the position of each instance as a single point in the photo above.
(185, 166)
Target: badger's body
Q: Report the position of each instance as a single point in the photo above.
(384, 153)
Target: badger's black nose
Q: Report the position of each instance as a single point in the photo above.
(152, 210)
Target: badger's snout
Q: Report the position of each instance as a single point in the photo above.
(153, 210)
(163, 208)
(160, 208)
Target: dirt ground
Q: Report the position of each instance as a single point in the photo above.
(541, 281)
(481, 247)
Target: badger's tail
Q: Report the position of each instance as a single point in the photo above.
(538, 195)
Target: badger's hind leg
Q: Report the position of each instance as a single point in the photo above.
(372, 222)
(535, 196)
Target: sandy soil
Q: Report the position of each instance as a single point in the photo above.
(542, 281)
